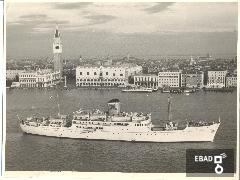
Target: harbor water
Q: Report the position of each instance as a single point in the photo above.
(38, 153)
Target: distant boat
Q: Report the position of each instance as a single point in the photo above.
(15, 85)
(122, 86)
(176, 90)
(190, 90)
(138, 89)
(165, 91)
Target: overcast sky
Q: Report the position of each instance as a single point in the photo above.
(140, 29)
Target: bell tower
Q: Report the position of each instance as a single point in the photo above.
(57, 51)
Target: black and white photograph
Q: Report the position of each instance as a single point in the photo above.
(130, 87)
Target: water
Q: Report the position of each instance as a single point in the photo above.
(36, 153)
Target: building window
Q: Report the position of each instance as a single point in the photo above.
(87, 73)
(95, 73)
(121, 74)
(80, 73)
(106, 73)
(113, 74)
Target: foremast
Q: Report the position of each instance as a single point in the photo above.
(169, 109)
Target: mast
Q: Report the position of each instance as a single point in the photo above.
(58, 105)
(65, 85)
(169, 108)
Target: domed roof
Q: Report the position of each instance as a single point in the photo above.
(113, 101)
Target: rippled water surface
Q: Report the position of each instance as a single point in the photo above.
(37, 153)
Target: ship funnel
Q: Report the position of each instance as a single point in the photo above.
(114, 107)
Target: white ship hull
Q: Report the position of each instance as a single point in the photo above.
(189, 134)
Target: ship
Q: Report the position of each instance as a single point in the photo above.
(138, 89)
(165, 89)
(115, 124)
(190, 90)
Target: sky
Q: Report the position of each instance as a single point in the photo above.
(117, 29)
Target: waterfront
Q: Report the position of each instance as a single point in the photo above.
(29, 152)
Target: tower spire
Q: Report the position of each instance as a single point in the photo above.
(57, 34)
(57, 51)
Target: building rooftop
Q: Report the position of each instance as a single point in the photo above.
(217, 70)
(41, 72)
(141, 74)
(231, 75)
(97, 66)
(123, 65)
(169, 72)
(191, 72)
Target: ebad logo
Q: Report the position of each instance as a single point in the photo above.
(210, 162)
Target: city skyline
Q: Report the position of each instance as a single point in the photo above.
(140, 29)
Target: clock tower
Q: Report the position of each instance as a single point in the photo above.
(57, 51)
